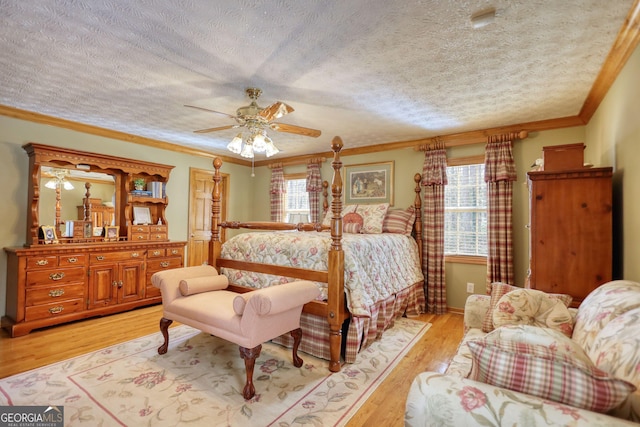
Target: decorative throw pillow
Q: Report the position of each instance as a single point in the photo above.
(533, 307)
(352, 228)
(561, 373)
(497, 291)
(399, 221)
(373, 216)
(196, 285)
(345, 210)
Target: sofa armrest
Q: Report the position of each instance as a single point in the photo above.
(437, 399)
(475, 309)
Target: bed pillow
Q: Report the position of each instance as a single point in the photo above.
(560, 372)
(196, 285)
(497, 290)
(373, 216)
(399, 221)
(533, 307)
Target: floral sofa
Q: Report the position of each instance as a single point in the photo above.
(529, 363)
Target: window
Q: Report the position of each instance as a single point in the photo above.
(466, 210)
(296, 199)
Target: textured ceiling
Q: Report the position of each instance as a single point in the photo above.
(371, 71)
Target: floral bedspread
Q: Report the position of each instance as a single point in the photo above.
(376, 266)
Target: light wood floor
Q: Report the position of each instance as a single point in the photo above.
(385, 407)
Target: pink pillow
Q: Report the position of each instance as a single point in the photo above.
(196, 285)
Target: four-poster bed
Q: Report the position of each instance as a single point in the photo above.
(325, 319)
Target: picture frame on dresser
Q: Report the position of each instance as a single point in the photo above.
(48, 234)
(141, 215)
(111, 233)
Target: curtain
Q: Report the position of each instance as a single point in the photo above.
(434, 178)
(499, 174)
(277, 190)
(314, 188)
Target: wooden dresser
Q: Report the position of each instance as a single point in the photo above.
(570, 230)
(53, 284)
(53, 278)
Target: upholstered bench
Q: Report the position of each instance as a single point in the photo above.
(197, 296)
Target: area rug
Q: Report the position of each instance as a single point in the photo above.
(199, 383)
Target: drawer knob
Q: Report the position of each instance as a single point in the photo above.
(56, 276)
(42, 262)
(158, 236)
(164, 264)
(56, 293)
(174, 251)
(120, 284)
(140, 237)
(114, 283)
(135, 255)
(72, 260)
(156, 253)
(100, 258)
(56, 310)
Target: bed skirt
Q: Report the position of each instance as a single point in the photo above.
(361, 331)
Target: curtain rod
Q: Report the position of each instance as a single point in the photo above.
(508, 136)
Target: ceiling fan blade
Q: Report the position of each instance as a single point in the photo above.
(275, 111)
(283, 127)
(210, 111)
(215, 129)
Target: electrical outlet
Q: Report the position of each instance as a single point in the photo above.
(470, 287)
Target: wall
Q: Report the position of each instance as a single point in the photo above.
(613, 138)
(14, 171)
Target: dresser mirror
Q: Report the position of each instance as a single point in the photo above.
(63, 192)
(79, 193)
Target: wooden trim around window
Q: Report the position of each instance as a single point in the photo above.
(466, 259)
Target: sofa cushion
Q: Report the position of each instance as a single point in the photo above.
(533, 307)
(560, 372)
(196, 285)
(497, 290)
(602, 306)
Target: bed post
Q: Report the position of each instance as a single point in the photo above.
(215, 246)
(325, 199)
(417, 204)
(335, 295)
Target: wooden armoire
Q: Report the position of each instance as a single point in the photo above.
(570, 230)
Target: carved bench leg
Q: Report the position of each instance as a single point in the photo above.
(297, 337)
(164, 328)
(249, 355)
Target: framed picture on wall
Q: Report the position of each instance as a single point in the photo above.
(369, 183)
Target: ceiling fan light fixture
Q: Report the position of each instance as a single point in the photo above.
(259, 142)
(235, 146)
(247, 151)
(270, 148)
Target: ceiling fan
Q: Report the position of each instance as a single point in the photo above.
(256, 120)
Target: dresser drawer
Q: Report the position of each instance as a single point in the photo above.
(155, 253)
(72, 260)
(144, 229)
(139, 237)
(157, 236)
(59, 276)
(155, 265)
(53, 294)
(41, 262)
(115, 256)
(158, 229)
(55, 309)
(175, 252)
